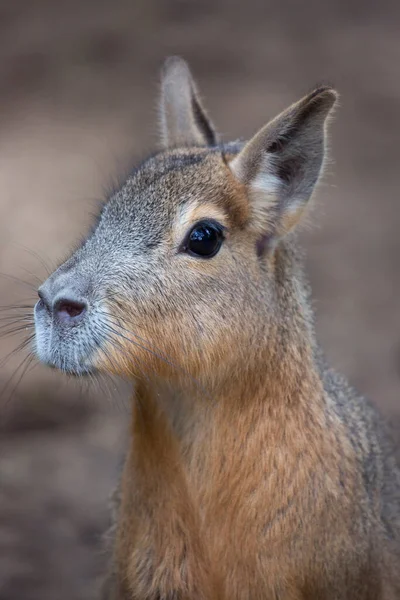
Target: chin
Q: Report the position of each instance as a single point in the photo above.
(57, 362)
(67, 363)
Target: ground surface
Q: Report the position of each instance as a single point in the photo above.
(78, 84)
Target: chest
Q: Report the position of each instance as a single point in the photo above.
(222, 536)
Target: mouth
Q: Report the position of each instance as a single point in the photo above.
(70, 350)
(72, 370)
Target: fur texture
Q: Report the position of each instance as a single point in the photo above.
(254, 472)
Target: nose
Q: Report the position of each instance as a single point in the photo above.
(65, 307)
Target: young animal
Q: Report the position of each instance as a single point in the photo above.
(254, 472)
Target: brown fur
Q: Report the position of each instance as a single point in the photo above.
(253, 472)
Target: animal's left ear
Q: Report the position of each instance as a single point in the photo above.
(281, 164)
(184, 122)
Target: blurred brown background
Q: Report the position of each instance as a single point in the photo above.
(78, 83)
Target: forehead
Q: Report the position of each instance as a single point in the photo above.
(171, 183)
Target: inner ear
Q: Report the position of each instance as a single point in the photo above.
(184, 121)
(281, 164)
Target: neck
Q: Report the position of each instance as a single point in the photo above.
(276, 381)
(206, 469)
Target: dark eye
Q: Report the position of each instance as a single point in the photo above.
(204, 240)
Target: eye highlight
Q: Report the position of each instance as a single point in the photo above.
(204, 240)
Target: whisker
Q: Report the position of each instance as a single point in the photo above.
(14, 330)
(23, 366)
(16, 350)
(16, 307)
(10, 320)
(8, 326)
(110, 359)
(36, 255)
(28, 272)
(156, 354)
(16, 317)
(112, 388)
(25, 370)
(159, 356)
(92, 379)
(196, 383)
(117, 344)
(18, 280)
(116, 322)
(179, 369)
(136, 360)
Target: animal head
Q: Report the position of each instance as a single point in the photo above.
(183, 273)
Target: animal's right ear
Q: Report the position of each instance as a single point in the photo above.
(183, 119)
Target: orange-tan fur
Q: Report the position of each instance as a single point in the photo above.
(241, 481)
(254, 472)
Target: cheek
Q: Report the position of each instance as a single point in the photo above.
(160, 350)
(168, 340)
(143, 337)
(184, 323)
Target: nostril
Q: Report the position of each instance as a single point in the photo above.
(69, 310)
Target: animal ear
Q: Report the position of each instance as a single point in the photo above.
(281, 164)
(183, 119)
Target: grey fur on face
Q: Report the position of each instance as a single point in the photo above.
(285, 458)
(129, 255)
(131, 272)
